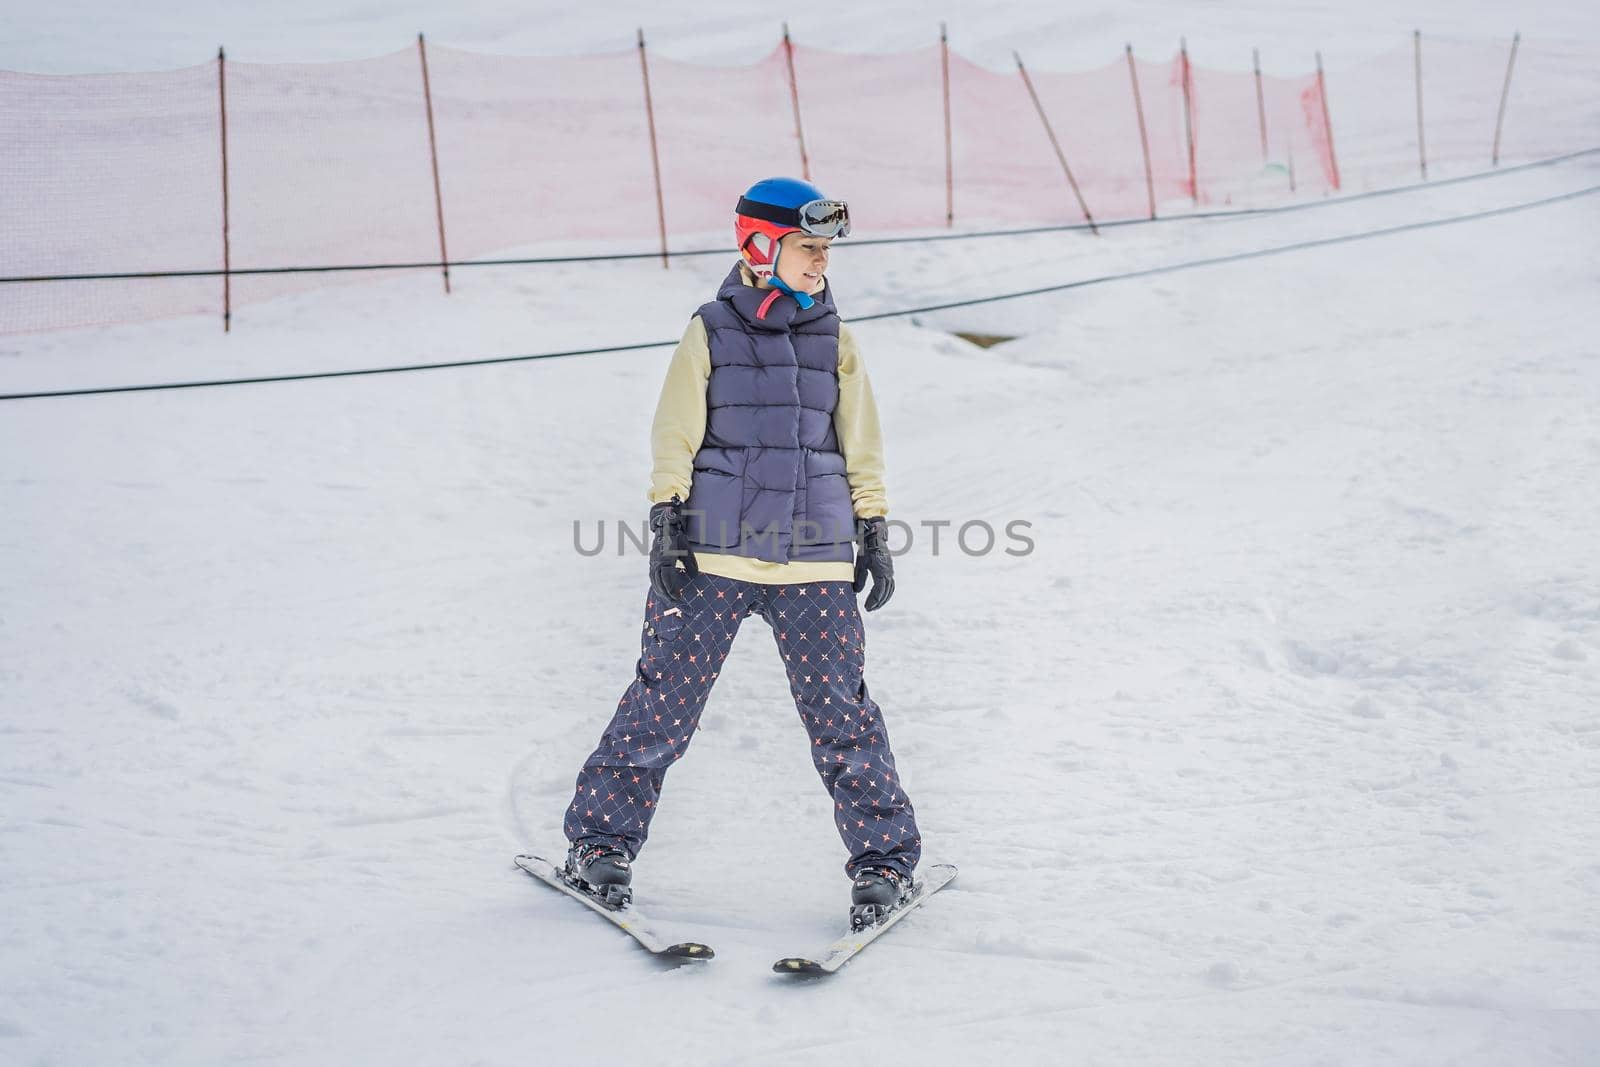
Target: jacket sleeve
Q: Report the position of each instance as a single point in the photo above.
(680, 422)
(855, 420)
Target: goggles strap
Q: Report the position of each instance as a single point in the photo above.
(783, 216)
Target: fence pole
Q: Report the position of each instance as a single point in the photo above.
(1060, 155)
(949, 167)
(433, 156)
(1261, 104)
(794, 98)
(1494, 157)
(1327, 123)
(1188, 120)
(1144, 138)
(227, 256)
(1422, 148)
(655, 158)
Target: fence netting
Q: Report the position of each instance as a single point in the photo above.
(331, 164)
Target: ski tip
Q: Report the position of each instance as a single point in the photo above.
(797, 965)
(691, 950)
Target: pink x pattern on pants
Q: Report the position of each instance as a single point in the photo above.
(818, 630)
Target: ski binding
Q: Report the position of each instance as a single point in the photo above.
(624, 915)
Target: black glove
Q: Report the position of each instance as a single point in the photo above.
(874, 559)
(669, 545)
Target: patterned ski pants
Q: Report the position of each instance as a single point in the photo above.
(818, 630)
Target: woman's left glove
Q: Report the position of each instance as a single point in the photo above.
(669, 545)
(874, 559)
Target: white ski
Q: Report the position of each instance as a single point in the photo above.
(628, 919)
(845, 948)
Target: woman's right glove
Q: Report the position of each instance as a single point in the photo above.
(874, 559)
(669, 545)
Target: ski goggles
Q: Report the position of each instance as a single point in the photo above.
(819, 218)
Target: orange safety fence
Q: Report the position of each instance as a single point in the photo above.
(333, 164)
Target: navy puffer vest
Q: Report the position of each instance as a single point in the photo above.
(769, 480)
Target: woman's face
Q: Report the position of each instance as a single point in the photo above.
(802, 261)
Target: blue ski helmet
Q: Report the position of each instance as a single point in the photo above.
(773, 207)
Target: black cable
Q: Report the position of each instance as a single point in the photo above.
(1314, 243)
(337, 373)
(1146, 272)
(1244, 212)
(239, 272)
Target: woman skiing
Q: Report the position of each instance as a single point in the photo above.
(768, 468)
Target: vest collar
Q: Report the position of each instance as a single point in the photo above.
(771, 309)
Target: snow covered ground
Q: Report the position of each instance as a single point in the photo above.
(1281, 747)
(75, 36)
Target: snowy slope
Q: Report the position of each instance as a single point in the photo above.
(1280, 748)
(74, 36)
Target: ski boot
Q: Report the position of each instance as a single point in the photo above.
(602, 871)
(877, 891)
